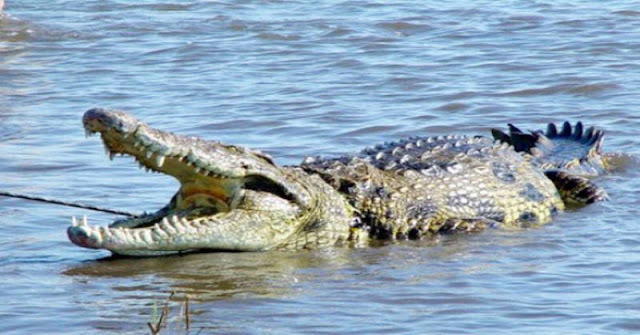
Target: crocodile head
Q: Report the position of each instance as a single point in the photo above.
(230, 197)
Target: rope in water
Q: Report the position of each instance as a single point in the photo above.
(66, 203)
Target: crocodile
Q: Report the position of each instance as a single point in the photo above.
(233, 198)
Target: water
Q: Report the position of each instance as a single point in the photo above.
(293, 79)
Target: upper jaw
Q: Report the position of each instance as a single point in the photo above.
(152, 148)
(184, 157)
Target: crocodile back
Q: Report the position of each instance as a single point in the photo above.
(435, 183)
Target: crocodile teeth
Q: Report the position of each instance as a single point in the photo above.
(149, 154)
(177, 225)
(119, 234)
(159, 160)
(105, 232)
(96, 233)
(159, 233)
(145, 235)
(167, 227)
(83, 223)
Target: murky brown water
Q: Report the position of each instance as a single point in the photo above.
(296, 79)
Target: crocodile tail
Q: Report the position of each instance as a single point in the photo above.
(591, 138)
(569, 148)
(576, 190)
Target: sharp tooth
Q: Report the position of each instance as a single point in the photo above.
(119, 234)
(84, 221)
(105, 232)
(132, 237)
(166, 226)
(177, 225)
(145, 235)
(197, 170)
(74, 222)
(159, 233)
(160, 160)
(97, 235)
(186, 223)
(149, 154)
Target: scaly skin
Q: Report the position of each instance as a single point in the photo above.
(233, 198)
(431, 185)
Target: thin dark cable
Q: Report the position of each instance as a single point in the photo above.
(66, 203)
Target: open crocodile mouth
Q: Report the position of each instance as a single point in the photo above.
(213, 179)
(204, 189)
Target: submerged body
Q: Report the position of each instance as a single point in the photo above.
(233, 198)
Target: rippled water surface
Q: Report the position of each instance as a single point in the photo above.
(300, 78)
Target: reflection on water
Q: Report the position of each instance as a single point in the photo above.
(294, 79)
(211, 276)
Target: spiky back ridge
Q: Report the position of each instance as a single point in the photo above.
(435, 184)
(571, 148)
(436, 156)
